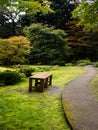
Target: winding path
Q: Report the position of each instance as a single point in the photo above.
(80, 107)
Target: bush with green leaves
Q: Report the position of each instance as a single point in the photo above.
(58, 62)
(25, 70)
(14, 50)
(46, 68)
(84, 62)
(96, 64)
(9, 77)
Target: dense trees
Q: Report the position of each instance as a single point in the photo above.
(87, 12)
(12, 11)
(83, 39)
(62, 13)
(48, 45)
(48, 42)
(83, 45)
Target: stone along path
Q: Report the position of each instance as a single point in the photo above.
(79, 105)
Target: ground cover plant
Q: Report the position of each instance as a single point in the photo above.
(94, 87)
(9, 77)
(21, 110)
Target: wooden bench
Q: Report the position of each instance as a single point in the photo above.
(40, 81)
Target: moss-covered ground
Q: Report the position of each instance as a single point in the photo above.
(21, 110)
(94, 87)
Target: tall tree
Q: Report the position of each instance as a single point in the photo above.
(87, 12)
(48, 45)
(83, 45)
(60, 16)
(12, 10)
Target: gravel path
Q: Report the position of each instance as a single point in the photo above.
(80, 107)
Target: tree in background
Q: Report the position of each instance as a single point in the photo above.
(84, 41)
(41, 10)
(16, 14)
(48, 45)
(12, 11)
(82, 44)
(14, 50)
(87, 12)
(62, 13)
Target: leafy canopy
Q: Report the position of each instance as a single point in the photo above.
(12, 11)
(87, 12)
(47, 43)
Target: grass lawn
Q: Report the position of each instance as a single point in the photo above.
(20, 110)
(94, 87)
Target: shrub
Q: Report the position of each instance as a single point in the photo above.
(61, 63)
(14, 50)
(9, 77)
(96, 64)
(58, 62)
(84, 62)
(26, 70)
(69, 64)
(45, 68)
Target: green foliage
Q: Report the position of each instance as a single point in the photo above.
(26, 70)
(46, 68)
(69, 64)
(58, 62)
(14, 50)
(12, 12)
(61, 15)
(47, 44)
(33, 68)
(84, 62)
(9, 77)
(87, 13)
(96, 64)
(20, 113)
(82, 45)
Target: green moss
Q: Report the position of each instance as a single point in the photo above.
(31, 111)
(21, 110)
(67, 108)
(94, 87)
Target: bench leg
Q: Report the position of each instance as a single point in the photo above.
(36, 82)
(46, 82)
(50, 80)
(30, 85)
(42, 85)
